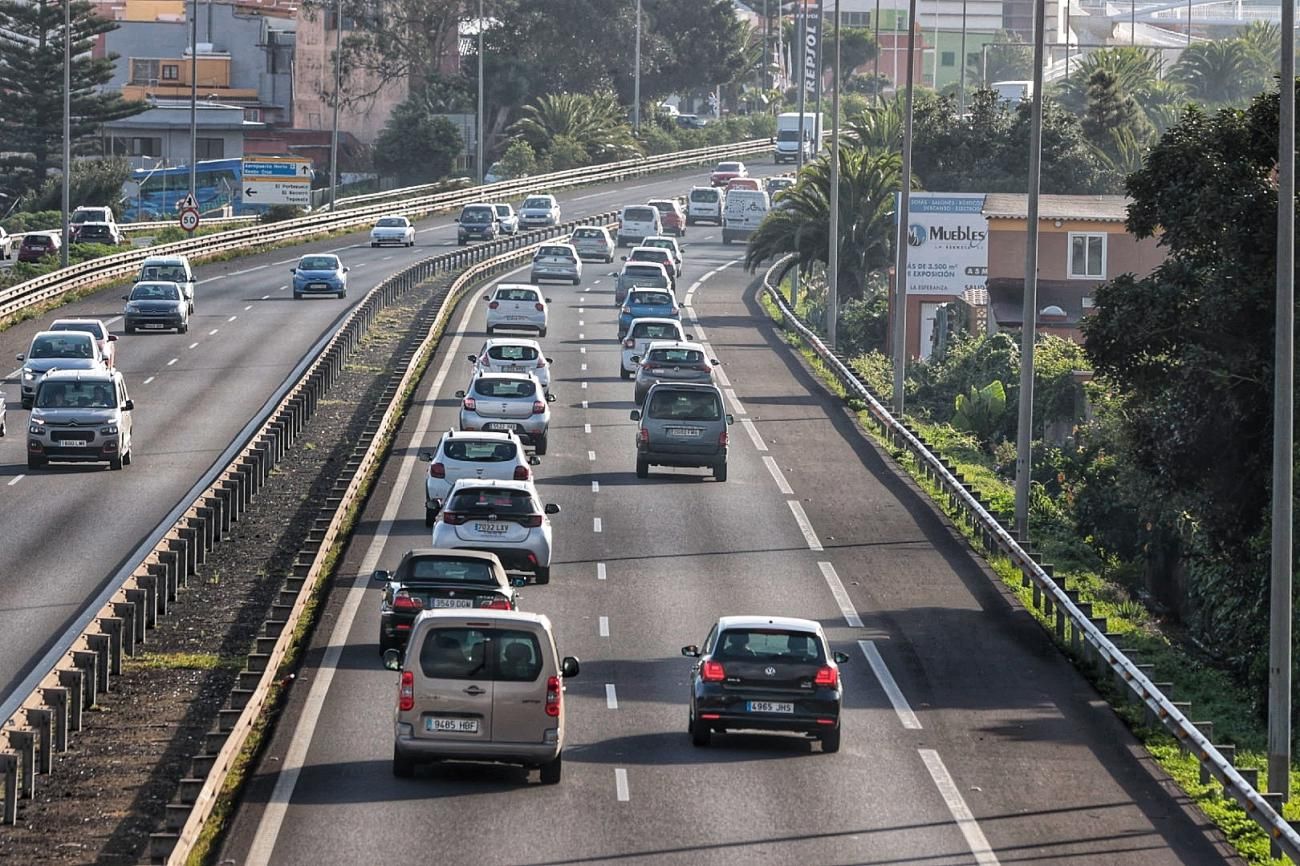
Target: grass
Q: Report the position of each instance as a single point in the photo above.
(1213, 694)
(181, 661)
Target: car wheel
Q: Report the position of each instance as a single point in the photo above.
(720, 471)
(577, 280)
(831, 741)
(700, 734)
(373, 246)
(430, 516)
(343, 294)
(489, 330)
(542, 576)
(191, 310)
(690, 222)
(3, 430)
(35, 462)
(609, 260)
(115, 463)
(542, 332)
(130, 329)
(26, 402)
(642, 467)
(128, 458)
(726, 238)
(183, 328)
(541, 444)
(623, 374)
(551, 770)
(297, 296)
(403, 767)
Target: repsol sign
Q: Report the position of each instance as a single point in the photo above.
(813, 32)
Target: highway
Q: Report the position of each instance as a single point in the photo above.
(65, 531)
(967, 737)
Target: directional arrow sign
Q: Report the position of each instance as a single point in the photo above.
(265, 190)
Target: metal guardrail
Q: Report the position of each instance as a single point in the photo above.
(159, 225)
(1072, 618)
(52, 285)
(41, 714)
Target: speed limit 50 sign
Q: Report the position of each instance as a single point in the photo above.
(189, 219)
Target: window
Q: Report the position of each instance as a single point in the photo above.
(144, 71)
(171, 72)
(210, 148)
(947, 58)
(133, 146)
(1087, 256)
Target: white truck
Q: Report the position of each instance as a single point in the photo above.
(785, 146)
(742, 211)
(1010, 93)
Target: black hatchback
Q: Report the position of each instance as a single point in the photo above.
(766, 674)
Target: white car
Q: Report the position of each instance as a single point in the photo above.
(393, 230)
(658, 255)
(507, 219)
(501, 517)
(513, 355)
(517, 306)
(510, 403)
(556, 262)
(704, 204)
(538, 211)
(6, 244)
(641, 334)
(667, 243)
(477, 456)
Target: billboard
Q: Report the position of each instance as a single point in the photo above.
(947, 238)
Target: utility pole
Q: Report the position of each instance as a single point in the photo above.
(338, 86)
(1132, 23)
(803, 92)
(478, 156)
(1029, 312)
(67, 128)
(904, 212)
(636, 76)
(961, 62)
(833, 254)
(875, 66)
(1280, 601)
(194, 101)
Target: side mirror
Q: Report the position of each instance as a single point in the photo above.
(550, 360)
(126, 297)
(381, 576)
(21, 355)
(624, 258)
(691, 651)
(840, 658)
(690, 337)
(473, 359)
(635, 359)
(112, 338)
(393, 660)
(518, 582)
(570, 666)
(460, 394)
(427, 456)
(549, 301)
(635, 414)
(551, 508)
(534, 460)
(550, 398)
(731, 419)
(345, 270)
(293, 270)
(715, 362)
(128, 406)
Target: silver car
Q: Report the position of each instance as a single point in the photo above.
(648, 275)
(513, 355)
(682, 424)
(507, 219)
(501, 517)
(80, 416)
(169, 269)
(556, 262)
(593, 243)
(671, 361)
(156, 306)
(477, 456)
(61, 350)
(538, 211)
(508, 402)
(641, 334)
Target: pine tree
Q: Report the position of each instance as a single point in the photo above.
(31, 79)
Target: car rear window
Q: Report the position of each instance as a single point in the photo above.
(479, 451)
(640, 214)
(38, 241)
(516, 294)
(559, 252)
(769, 645)
(728, 166)
(95, 328)
(495, 500)
(593, 234)
(491, 386)
(654, 331)
(512, 352)
(318, 263)
(676, 356)
(685, 405)
(654, 299)
(461, 570)
(707, 196)
(502, 209)
(653, 255)
(512, 655)
(74, 345)
(155, 292)
(80, 395)
(166, 273)
(658, 243)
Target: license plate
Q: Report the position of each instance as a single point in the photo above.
(498, 425)
(452, 602)
(454, 726)
(154, 325)
(491, 528)
(513, 369)
(71, 443)
(515, 318)
(318, 286)
(769, 707)
(684, 432)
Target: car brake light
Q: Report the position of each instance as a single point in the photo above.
(404, 601)
(497, 604)
(554, 695)
(704, 368)
(493, 305)
(469, 404)
(484, 360)
(541, 362)
(540, 308)
(532, 521)
(538, 407)
(437, 470)
(406, 692)
(712, 672)
(827, 676)
(453, 518)
(644, 435)
(722, 438)
(629, 343)
(523, 473)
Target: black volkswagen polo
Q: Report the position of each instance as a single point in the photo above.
(766, 673)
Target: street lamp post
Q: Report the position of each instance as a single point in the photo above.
(636, 75)
(338, 86)
(67, 127)
(194, 101)
(803, 95)
(961, 63)
(478, 155)
(833, 254)
(875, 66)
(904, 210)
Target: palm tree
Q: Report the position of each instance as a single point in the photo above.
(878, 128)
(594, 121)
(1136, 72)
(1227, 72)
(800, 224)
(1266, 38)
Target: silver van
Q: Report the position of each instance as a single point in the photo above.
(682, 424)
(169, 269)
(482, 685)
(80, 416)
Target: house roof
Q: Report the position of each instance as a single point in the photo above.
(1007, 298)
(1091, 208)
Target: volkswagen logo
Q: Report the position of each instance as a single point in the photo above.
(770, 671)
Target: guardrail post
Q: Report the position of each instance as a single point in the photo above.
(113, 629)
(73, 681)
(139, 597)
(24, 744)
(101, 644)
(9, 767)
(125, 611)
(87, 662)
(56, 698)
(41, 721)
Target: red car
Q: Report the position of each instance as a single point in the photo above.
(726, 171)
(671, 215)
(37, 246)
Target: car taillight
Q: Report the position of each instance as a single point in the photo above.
(404, 602)
(406, 692)
(644, 435)
(827, 676)
(629, 343)
(493, 305)
(704, 368)
(676, 314)
(437, 470)
(532, 521)
(539, 308)
(484, 360)
(722, 438)
(541, 363)
(453, 518)
(554, 695)
(538, 407)
(469, 404)
(523, 473)
(497, 604)
(712, 672)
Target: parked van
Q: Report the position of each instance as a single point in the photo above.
(704, 205)
(742, 212)
(480, 685)
(638, 222)
(169, 269)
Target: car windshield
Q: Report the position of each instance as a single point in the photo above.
(516, 294)
(95, 329)
(704, 195)
(504, 389)
(155, 292)
(318, 263)
(392, 223)
(538, 203)
(654, 331)
(558, 252)
(788, 135)
(79, 395)
(89, 215)
(685, 405)
(513, 352)
(728, 166)
(676, 356)
(589, 234)
(479, 451)
(650, 299)
(493, 500)
(166, 273)
(477, 215)
(440, 568)
(69, 345)
(769, 645)
(503, 210)
(640, 214)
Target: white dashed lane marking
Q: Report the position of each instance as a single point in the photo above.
(805, 525)
(620, 785)
(16, 479)
(595, 487)
(611, 696)
(591, 456)
(777, 475)
(596, 524)
(194, 345)
(213, 332)
(600, 571)
(753, 434)
(147, 381)
(172, 361)
(604, 626)
(901, 707)
(841, 596)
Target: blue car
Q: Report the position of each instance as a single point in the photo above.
(643, 303)
(320, 274)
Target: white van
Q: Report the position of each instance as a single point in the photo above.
(638, 222)
(169, 269)
(704, 205)
(742, 211)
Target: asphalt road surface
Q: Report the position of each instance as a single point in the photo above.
(67, 529)
(967, 737)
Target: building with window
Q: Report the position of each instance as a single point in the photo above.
(160, 136)
(939, 26)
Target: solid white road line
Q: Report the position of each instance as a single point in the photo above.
(735, 401)
(600, 571)
(753, 434)
(284, 262)
(892, 691)
(841, 596)
(595, 487)
(268, 828)
(16, 479)
(611, 698)
(595, 524)
(979, 845)
(777, 475)
(112, 321)
(232, 318)
(604, 626)
(620, 785)
(213, 332)
(805, 525)
(147, 381)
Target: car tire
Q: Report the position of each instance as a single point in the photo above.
(541, 333)
(542, 576)
(297, 296)
(577, 280)
(700, 734)
(690, 222)
(343, 294)
(403, 767)
(551, 771)
(726, 238)
(720, 471)
(541, 444)
(183, 328)
(642, 468)
(26, 402)
(115, 463)
(489, 330)
(129, 329)
(374, 246)
(36, 462)
(430, 517)
(128, 458)
(831, 741)
(3, 429)
(191, 308)
(623, 374)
